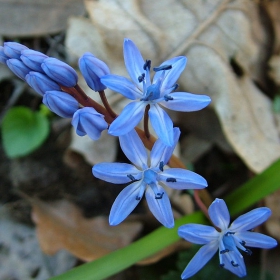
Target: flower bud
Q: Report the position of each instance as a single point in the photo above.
(13, 49)
(33, 59)
(40, 82)
(60, 72)
(3, 57)
(88, 121)
(61, 103)
(18, 67)
(93, 69)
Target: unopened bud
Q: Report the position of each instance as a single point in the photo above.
(18, 67)
(88, 121)
(40, 82)
(33, 59)
(13, 49)
(93, 69)
(61, 103)
(60, 72)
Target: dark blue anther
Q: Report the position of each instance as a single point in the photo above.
(131, 177)
(163, 67)
(159, 196)
(175, 87)
(229, 233)
(141, 78)
(161, 164)
(224, 251)
(138, 197)
(147, 65)
(243, 243)
(249, 252)
(168, 97)
(171, 180)
(234, 264)
(222, 264)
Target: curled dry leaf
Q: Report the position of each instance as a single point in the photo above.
(60, 225)
(224, 59)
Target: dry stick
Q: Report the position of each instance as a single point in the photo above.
(148, 141)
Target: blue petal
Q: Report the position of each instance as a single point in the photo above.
(13, 49)
(162, 153)
(255, 239)
(134, 149)
(186, 102)
(198, 234)
(185, 179)
(160, 207)
(172, 75)
(237, 258)
(115, 172)
(128, 119)
(251, 219)
(219, 214)
(122, 85)
(204, 254)
(162, 124)
(3, 56)
(125, 203)
(134, 61)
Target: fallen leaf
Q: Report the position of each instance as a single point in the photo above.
(224, 59)
(60, 225)
(36, 17)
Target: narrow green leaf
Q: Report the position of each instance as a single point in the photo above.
(245, 196)
(23, 131)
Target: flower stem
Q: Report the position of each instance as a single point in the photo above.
(106, 104)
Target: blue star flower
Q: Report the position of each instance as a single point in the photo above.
(159, 91)
(146, 176)
(228, 240)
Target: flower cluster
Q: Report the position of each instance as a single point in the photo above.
(47, 76)
(56, 82)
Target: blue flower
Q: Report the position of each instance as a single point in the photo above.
(228, 240)
(93, 69)
(146, 177)
(153, 94)
(88, 121)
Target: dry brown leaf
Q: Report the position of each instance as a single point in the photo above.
(226, 45)
(60, 225)
(37, 17)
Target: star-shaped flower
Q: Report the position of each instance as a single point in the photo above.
(159, 91)
(146, 176)
(228, 240)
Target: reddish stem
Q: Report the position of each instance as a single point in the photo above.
(146, 122)
(106, 104)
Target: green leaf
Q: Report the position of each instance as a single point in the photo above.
(23, 131)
